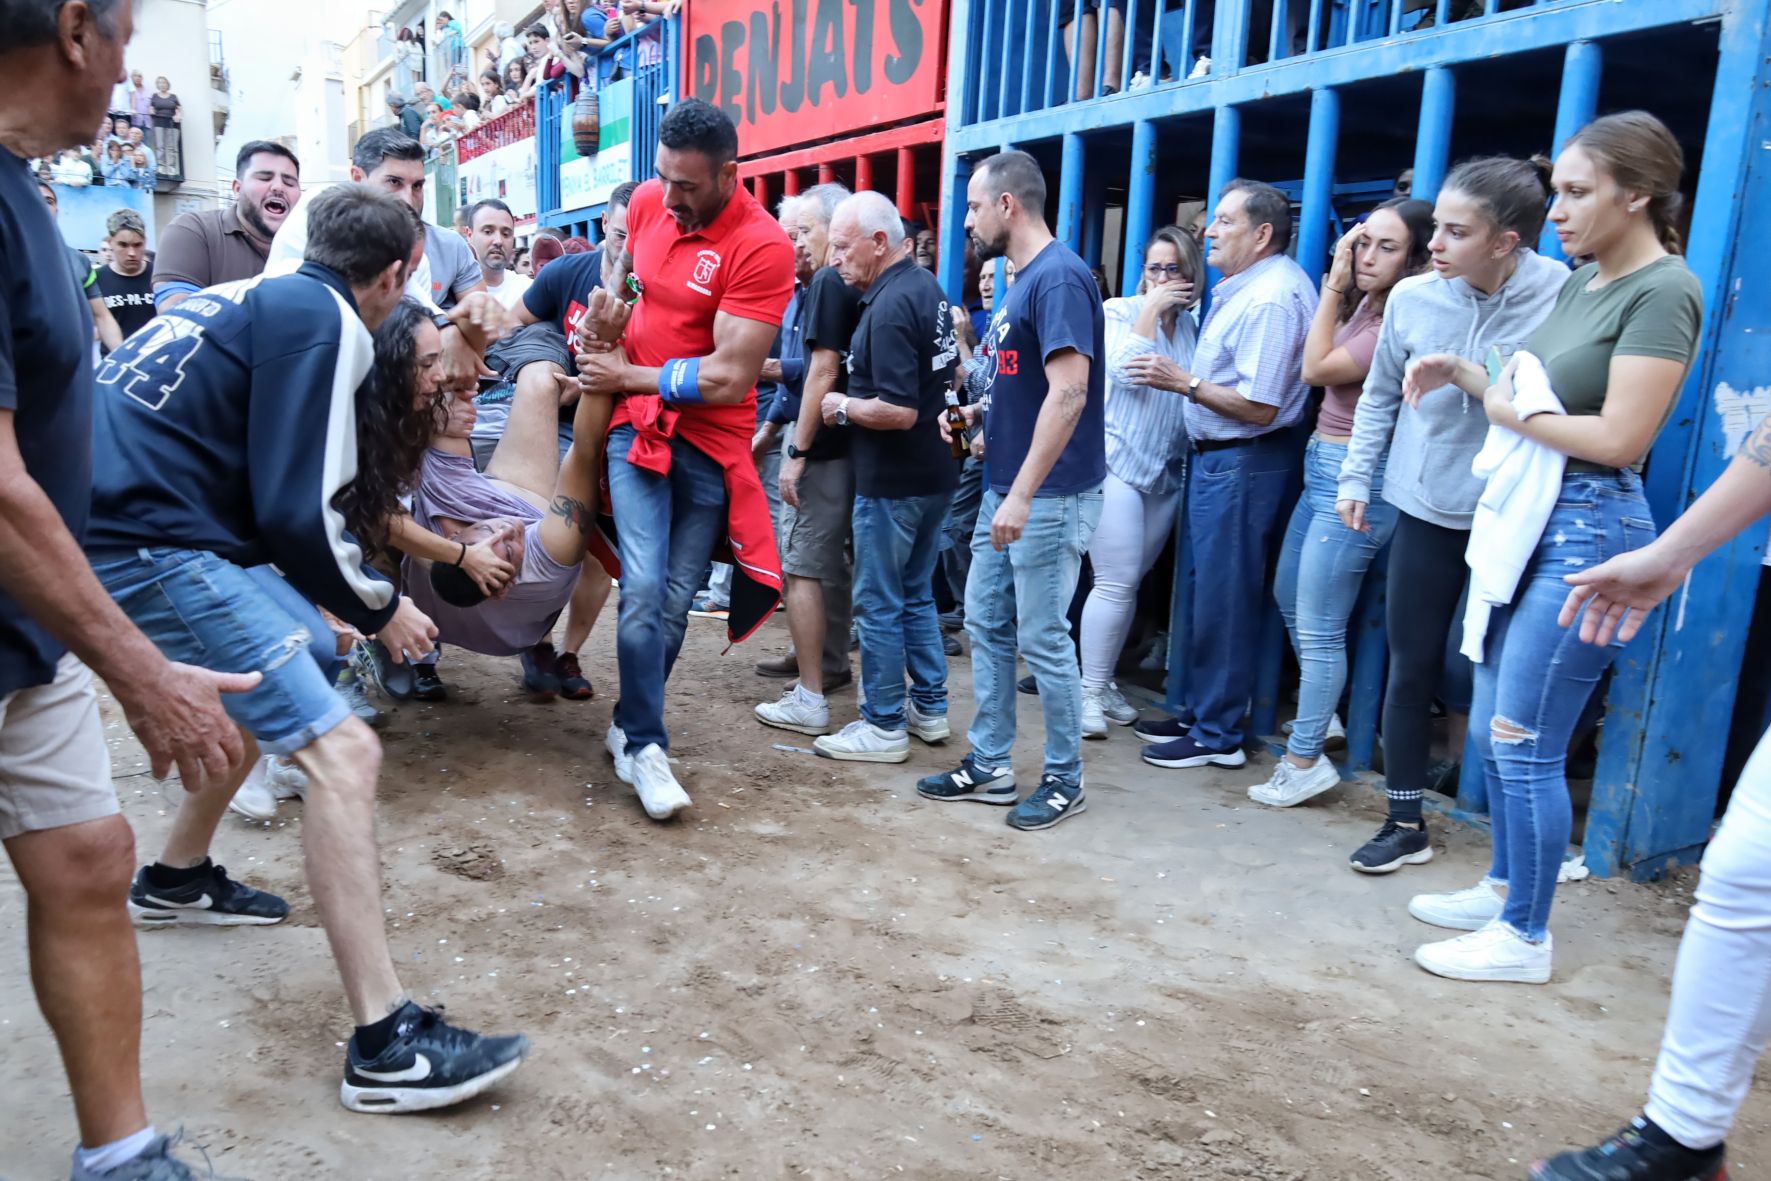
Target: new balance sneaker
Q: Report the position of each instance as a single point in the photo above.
(574, 685)
(1054, 801)
(205, 899)
(1161, 729)
(427, 1064)
(1461, 910)
(970, 782)
(1394, 846)
(1641, 1151)
(705, 606)
(862, 742)
(796, 711)
(931, 728)
(615, 741)
(1291, 785)
(153, 1163)
(350, 687)
(427, 685)
(541, 672)
(1496, 952)
(273, 778)
(648, 771)
(1185, 752)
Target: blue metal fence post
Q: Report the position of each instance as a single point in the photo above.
(1094, 216)
(1319, 158)
(963, 79)
(1582, 67)
(1229, 37)
(956, 174)
(1140, 203)
(1226, 151)
(1672, 697)
(1070, 185)
(1432, 147)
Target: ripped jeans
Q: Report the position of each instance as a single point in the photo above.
(1534, 683)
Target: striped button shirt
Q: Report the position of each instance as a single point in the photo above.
(1253, 342)
(1146, 427)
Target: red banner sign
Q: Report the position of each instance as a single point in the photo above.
(794, 71)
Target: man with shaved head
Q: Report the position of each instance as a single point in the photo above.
(901, 361)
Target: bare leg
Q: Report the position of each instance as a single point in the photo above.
(1085, 66)
(805, 622)
(1457, 728)
(199, 814)
(84, 966)
(1115, 46)
(588, 598)
(528, 454)
(344, 864)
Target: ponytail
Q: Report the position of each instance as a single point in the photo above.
(1641, 155)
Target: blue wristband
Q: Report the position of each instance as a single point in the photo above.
(680, 380)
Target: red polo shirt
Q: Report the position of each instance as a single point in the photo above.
(741, 263)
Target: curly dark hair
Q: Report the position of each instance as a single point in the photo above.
(393, 430)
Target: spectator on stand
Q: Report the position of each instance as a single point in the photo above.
(521, 263)
(126, 283)
(119, 130)
(142, 165)
(168, 115)
(71, 169)
(510, 46)
(423, 96)
(408, 61)
(467, 104)
(517, 86)
(450, 41)
(1488, 292)
(1146, 434)
(901, 360)
(118, 172)
(492, 98)
(141, 106)
(1615, 349)
(409, 119)
(817, 482)
(1242, 391)
(437, 127)
(138, 142)
(1045, 449)
(1322, 563)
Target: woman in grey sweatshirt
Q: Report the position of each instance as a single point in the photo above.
(1487, 290)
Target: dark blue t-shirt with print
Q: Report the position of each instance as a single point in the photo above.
(1054, 304)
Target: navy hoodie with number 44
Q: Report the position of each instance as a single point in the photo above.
(228, 423)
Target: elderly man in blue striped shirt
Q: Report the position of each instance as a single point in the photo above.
(1245, 390)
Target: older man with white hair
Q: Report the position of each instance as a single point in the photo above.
(901, 362)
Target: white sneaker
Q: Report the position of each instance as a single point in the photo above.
(1094, 717)
(862, 742)
(616, 742)
(1201, 68)
(255, 800)
(1140, 80)
(931, 728)
(652, 779)
(1119, 711)
(1336, 731)
(794, 712)
(287, 781)
(1460, 910)
(1496, 952)
(1291, 785)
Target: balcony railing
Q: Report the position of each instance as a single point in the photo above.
(168, 146)
(500, 131)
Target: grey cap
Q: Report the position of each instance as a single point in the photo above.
(394, 100)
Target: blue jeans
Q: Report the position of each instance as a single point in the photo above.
(1534, 684)
(200, 609)
(1022, 594)
(1234, 498)
(896, 544)
(666, 527)
(1322, 565)
(962, 519)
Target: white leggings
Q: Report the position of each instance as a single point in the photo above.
(1134, 527)
(1721, 1009)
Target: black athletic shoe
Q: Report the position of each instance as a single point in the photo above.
(952, 621)
(426, 684)
(541, 676)
(210, 899)
(950, 644)
(574, 685)
(1161, 729)
(966, 782)
(377, 667)
(1640, 1152)
(427, 1064)
(1393, 847)
(1027, 685)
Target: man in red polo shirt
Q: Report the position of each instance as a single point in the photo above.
(717, 272)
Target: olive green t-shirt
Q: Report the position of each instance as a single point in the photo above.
(1653, 312)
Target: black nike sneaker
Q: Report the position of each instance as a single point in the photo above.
(428, 1064)
(1639, 1152)
(206, 899)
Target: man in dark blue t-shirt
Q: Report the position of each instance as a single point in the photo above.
(1045, 460)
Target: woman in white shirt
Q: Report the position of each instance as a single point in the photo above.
(1146, 460)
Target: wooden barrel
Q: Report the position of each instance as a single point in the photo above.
(586, 127)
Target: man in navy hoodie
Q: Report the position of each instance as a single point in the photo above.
(224, 429)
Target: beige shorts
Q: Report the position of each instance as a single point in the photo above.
(55, 769)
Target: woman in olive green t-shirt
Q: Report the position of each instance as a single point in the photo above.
(1616, 346)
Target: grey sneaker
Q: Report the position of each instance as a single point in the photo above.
(156, 1163)
(350, 687)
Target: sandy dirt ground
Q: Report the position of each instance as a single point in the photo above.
(817, 974)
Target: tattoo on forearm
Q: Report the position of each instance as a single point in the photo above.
(1757, 448)
(1071, 401)
(574, 513)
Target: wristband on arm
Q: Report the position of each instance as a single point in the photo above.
(679, 380)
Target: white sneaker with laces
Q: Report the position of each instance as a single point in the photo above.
(1291, 785)
(255, 800)
(287, 781)
(652, 779)
(794, 712)
(616, 742)
(1461, 910)
(1496, 952)
(931, 728)
(862, 742)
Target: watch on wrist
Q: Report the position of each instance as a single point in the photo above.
(441, 320)
(842, 413)
(794, 452)
(1193, 388)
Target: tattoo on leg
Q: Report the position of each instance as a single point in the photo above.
(1757, 448)
(574, 512)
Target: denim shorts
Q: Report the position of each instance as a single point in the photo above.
(204, 610)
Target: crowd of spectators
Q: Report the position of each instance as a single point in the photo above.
(136, 147)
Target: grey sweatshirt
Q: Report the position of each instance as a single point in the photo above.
(1428, 475)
